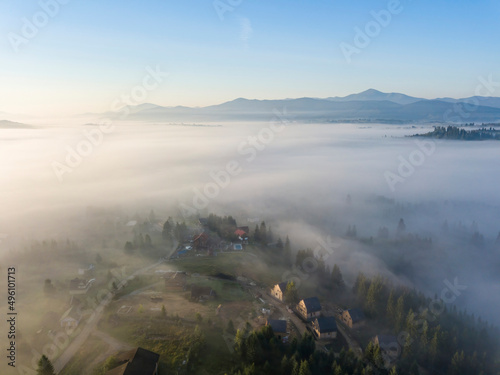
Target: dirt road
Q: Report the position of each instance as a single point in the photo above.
(91, 323)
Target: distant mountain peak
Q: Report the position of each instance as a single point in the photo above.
(371, 91)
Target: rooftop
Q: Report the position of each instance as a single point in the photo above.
(312, 304)
(278, 326)
(326, 324)
(137, 361)
(356, 315)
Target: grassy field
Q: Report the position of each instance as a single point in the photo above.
(173, 338)
(252, 264)
(226, 290)
(80, 364)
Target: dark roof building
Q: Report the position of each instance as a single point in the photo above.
(278, 326)
(356, 315)
(282, 286)
(326, 324)
(309, 308)
(312, 304)
(353, 317)
(137, 361)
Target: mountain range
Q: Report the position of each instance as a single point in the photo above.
(368, 106)
(5, 124)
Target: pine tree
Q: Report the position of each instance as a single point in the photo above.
(401, 227)
(45, 367)
(391, 308)
(270, 236)
(230, 327)
(286, 365)
(408, 347)
(400, 313)
(410, 323)
(424, 340)
(338, 283)
(337, 370)
(414, 369)
(359, 287)
(435, 345)
(378, 359)
(287, 251)
(291, 295)
(240, 343)
(279, 244)
(263, 233)
(373, 296)
(256, 234)
(254, 349)
(304, 368)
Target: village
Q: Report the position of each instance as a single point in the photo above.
(202, 280)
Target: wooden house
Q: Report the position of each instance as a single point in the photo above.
(309, 308)
(278, 291)
(137, 361)
(353, 318)
(279, 327)
(325, 327)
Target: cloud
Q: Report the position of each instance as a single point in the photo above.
(298, 183)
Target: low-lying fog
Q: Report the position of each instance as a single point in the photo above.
(295, 176)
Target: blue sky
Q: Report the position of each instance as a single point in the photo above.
(90, 52)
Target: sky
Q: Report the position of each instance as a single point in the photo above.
(62, 57)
